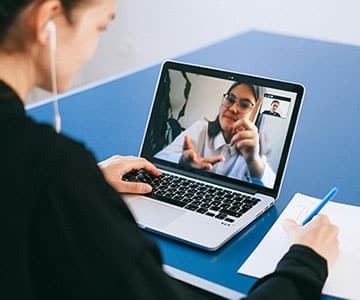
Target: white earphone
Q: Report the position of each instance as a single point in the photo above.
(51, 27)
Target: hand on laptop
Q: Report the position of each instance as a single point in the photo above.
(319, 234)
(190, 157)
(116, 166)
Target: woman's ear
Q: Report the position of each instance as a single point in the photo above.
(45, 12)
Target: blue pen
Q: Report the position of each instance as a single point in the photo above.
(325, 200)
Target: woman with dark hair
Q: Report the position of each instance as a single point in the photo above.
(229, 145)
(66, 233)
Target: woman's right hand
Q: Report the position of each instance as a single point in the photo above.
(319, 234)
(190, 158)
(116, 166)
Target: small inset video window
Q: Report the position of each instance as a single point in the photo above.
(274, 105)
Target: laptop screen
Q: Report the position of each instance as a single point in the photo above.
(223, 125)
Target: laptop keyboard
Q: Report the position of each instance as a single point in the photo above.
(196, 196)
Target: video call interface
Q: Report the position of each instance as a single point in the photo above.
(220, 126)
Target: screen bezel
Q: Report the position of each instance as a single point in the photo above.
(229, 75)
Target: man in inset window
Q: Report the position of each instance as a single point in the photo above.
(274, 107)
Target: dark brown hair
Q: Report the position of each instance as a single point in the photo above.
(10, 9)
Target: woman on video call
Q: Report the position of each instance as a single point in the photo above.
(66, 233)
(229, 145)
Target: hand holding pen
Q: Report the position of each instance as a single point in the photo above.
(317, 232)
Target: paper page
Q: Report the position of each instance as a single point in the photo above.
(344, 275)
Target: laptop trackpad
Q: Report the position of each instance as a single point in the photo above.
(150, 213)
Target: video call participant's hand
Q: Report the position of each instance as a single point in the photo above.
(246, 140)
(319, 234)
(190, 158)
(117, 166)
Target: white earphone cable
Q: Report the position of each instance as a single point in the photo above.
(57, 118)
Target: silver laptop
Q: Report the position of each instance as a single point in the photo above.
(222, 141)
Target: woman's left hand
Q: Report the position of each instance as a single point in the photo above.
(246, 140)
(116, 166)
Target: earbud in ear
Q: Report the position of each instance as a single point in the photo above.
(51, 27)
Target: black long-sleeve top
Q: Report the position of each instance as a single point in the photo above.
(66, 234)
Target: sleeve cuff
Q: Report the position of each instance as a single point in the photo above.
(304, 268)
(309, 265)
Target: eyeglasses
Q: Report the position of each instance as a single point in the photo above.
(244, 104)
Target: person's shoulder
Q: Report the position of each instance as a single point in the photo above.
(199, 125)
(42, 130)
(54, 146)
(198, 129)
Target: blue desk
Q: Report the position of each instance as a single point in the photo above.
(110, 119)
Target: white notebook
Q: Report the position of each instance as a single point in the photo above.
(344, 275)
